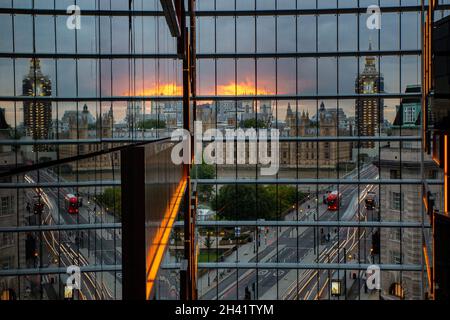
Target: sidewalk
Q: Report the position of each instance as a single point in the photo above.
(245, 252)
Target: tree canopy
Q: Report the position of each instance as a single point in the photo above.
(204, 171)
(246, 202)
(252, 123)
(152, 124)
(111, 198)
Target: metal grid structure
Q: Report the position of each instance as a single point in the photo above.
(265, 52)
(108, 81)
(122, 65)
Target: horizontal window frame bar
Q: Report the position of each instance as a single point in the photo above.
(109, 150)
(58, 270)
(79, 184)
(215, 13)
(343, 224)
(87, 12)
(343, 181)
(299, 266)
(329, 138)
(107, 56)
(22, 185)
(61, 227)
(311, 97)
(318, 54)
(315, 11)
(214, 98)
(75, 141)
(137, 140)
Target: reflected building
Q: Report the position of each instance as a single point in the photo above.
(310, 154)
(11, 211)
(369, 110)
(171, 112)
(80, 127)
(133, 117)
(403, 160)
(37, 115)
(207, 115)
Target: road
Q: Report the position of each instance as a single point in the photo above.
(289, 248)
(79, 248)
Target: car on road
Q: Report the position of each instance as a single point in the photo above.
(370, 201)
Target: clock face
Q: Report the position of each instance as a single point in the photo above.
(368, 87)
(38, 90)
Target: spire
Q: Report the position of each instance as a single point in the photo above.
(35, 65)
(36, 62)
(370, 60)
(110, 115)
(322, 106)
(289, 110)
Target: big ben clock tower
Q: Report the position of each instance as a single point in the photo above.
(37, 114)
(369, 110)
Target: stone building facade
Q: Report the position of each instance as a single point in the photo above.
(80, 129)
(402, 160)
(311, 154)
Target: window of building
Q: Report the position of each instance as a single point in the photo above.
(432, 174)
(396, 234)
(6, 205)
(7, 239)
(395, 174)
(396, 200)
(410, 114)
(6, 262)
(395, 257)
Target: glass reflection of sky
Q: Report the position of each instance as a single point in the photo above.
(262, 34)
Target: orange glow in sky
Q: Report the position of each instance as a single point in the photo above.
(167, 89)
(230, 89)
(244, 88)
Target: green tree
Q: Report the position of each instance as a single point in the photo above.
(252, 123)
(244, 202)
(152, 124)
(287, 196)
(204, 171)
(111, 198)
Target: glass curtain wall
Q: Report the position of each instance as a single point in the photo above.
(343, 89)
(74, 85)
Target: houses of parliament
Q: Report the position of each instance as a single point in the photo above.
(310, 154)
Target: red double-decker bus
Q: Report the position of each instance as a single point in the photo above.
(334, 201)
(71, 203)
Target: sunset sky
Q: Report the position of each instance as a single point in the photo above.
(243, 76)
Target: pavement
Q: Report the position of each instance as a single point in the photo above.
(288, 244)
